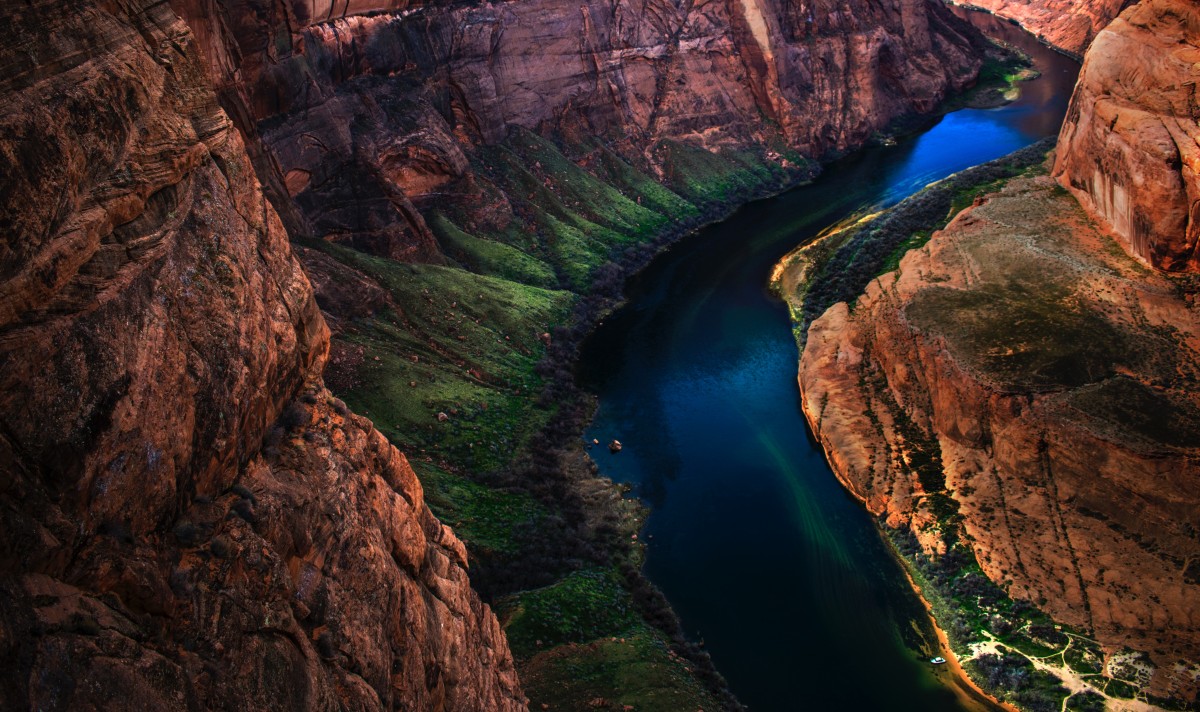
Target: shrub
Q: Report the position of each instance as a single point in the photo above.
(1086, 701)
(294, 416)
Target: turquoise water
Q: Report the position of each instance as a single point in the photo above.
(761, 552)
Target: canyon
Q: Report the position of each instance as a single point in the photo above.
(1128, 150)
(1069, 25)
(283, 278)
(209, 206)
(157, 333)
(1021, 392)
(374, 116)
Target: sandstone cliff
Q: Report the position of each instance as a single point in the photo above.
(1069, 25)
(154, 325)
(1018, 375)
(1022, 390)
(1128, 149)
(370, 119)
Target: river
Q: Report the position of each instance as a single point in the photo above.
(761, 552)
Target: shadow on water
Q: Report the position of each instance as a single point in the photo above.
(761, 552)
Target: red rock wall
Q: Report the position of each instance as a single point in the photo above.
(1128, 149)
(153, 325)
(1074, 495)
(370, 119)
(1067, 24)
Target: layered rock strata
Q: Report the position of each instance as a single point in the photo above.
(1069, 25)
(369, 119)
(154, 325)
(1129, 147)
(1053, 382)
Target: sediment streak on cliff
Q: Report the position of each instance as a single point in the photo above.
(1128, 148)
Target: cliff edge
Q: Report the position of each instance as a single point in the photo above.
(1019, 387)
(1021, 395)
(155, 333)
(1069, 25)
(371, 120)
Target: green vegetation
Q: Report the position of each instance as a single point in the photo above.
(1087, 701)
(841, 267)
(722, 178)
(578, 219)
(968, 605)
(1045, 339)
(1032, 339)
(466, 367)
(584, 606)
(489, 520)
(1121, 689)
(1032, 689)
(1004, 68)
(489, 256)
(638, 671)
(456, 343)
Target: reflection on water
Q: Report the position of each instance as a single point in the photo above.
(759, 549)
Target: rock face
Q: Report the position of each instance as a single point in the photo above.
(154, 324)
(1054, 382)
(1128, 148)
(1069, 25)
(370, 119)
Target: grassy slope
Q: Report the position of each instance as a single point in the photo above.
(466, 340)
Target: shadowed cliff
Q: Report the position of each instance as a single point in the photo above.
(369, 121)
(154, 328)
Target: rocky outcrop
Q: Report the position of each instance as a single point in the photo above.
(154, 325)
(1018, 374)
(1069, 25)
(1128, 148)
(370, 119)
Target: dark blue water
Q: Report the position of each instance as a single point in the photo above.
(759, 549)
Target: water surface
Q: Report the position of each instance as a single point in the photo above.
(762, 553)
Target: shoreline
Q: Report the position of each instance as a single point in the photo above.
(965, 688)
(790, 273)
(1041, 39)
(595, 308)
(970, 690)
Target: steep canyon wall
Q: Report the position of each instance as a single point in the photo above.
(1022, 382)
(1069, 25)
(154, 328)
(370, 119)
(190, 517)
(1128, 148)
